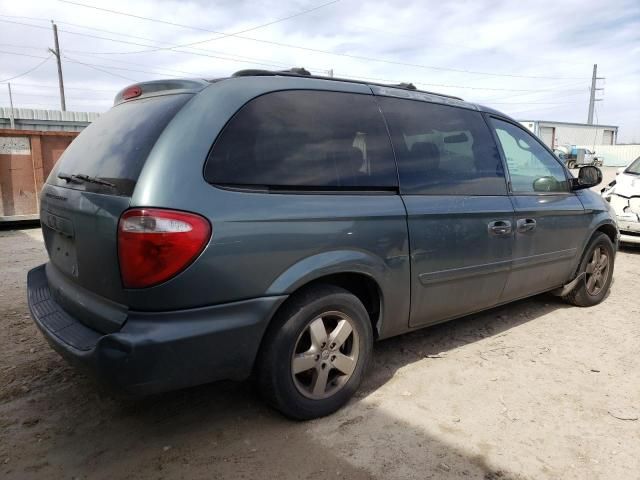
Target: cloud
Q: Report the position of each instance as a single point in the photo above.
(556, 40)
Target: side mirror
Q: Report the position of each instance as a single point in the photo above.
(545, 184)
(588, 177)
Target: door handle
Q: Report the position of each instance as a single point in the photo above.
(524, 225)
(500, 227)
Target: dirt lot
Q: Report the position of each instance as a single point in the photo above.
(536, 389)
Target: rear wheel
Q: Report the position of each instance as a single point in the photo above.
(571, 164)
(597, 266)
(315, 354)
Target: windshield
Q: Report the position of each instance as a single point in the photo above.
(109, 154)
(634, 168)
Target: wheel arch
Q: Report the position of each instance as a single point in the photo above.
(357, 272)
(609, 228)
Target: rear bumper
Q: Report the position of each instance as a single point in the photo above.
(157, 351)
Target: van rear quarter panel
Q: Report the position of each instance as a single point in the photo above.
(268, 244)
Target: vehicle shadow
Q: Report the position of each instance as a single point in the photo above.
(61, 423)
(435, 341)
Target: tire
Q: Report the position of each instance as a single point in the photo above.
(571, 164)
(594, 288)
(295, 338)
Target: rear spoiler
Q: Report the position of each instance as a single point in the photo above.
(159, 87)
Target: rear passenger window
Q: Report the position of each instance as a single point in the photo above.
(290, 139)
(443, 150)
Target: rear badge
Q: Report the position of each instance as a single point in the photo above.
(57, 197)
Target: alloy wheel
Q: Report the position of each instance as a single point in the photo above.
(597, 271)
(325, 355)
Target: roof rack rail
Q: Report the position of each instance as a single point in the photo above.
(303, 72)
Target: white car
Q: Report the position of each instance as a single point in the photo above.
(624, 196)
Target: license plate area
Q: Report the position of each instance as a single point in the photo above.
(60, 240)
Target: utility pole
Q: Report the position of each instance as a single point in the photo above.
(56, 52)
(11, 117)
(592, 97)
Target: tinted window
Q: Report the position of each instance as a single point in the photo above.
(531, 167)
(115, 146)
(305, 139)
(443, 150)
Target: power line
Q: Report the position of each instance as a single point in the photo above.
(228, 58)
(42, 85)
(40, 19)
(99, 69)
(222, 34)
(279, 65)
(386, 80)
(21, 54)
(416, 37)
(238, 35)
(283, 65)
(25, 47)
(28, 71)
(155, 71)
(88, 65)
(22, 94)
(566, 87)
(519, 111)
(231, 59)
(254, 61)
(532, 103)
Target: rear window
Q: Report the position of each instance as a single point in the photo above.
(114, 147)
(443, 150)
(305, 140)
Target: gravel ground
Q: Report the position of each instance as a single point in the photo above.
(535, 389)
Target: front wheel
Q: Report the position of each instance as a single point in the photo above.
(597, 267)
(315, 354)
(571, 164)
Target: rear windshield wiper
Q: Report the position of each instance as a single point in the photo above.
(80, 178)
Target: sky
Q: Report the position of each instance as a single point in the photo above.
(532, 60)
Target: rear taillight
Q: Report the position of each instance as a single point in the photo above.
(155, 244)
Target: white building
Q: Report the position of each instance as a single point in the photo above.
(555, 134)
(34, 119)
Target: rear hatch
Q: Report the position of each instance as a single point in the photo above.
(87, 191)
